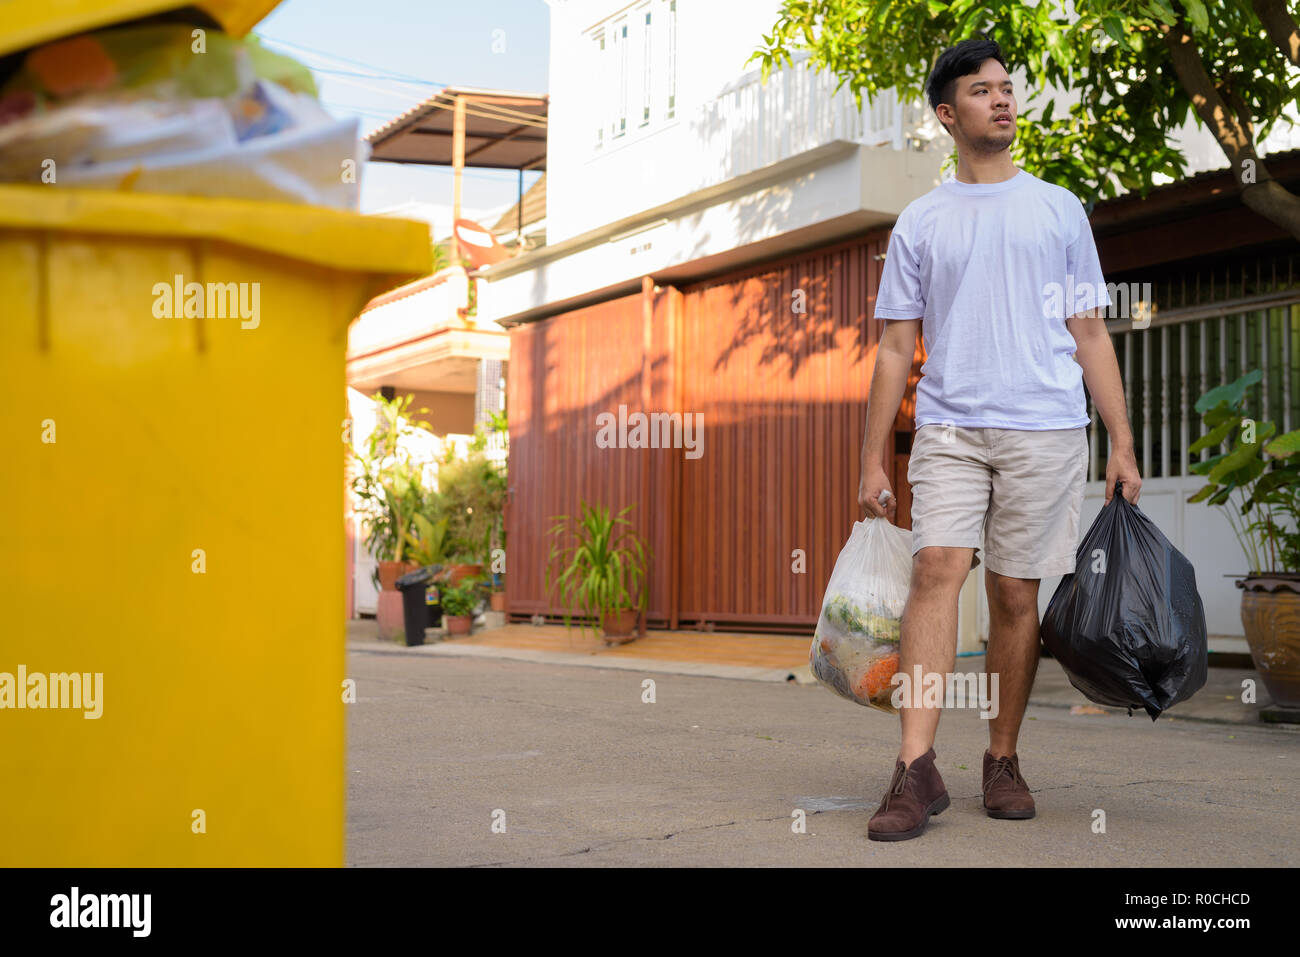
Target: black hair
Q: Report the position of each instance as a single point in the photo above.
(961, 60)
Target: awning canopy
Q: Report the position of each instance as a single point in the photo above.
(503, 130)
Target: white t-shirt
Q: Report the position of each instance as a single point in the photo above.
(993, 270)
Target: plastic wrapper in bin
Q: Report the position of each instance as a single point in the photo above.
(855, 648)
(138, 109)
(1128, 625)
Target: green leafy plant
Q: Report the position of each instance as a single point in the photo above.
(426, 543)
(1256, 481)
(603, 564)
(459, 599)
(441, 256)
(1136, 70)
(387, 483)
(472, 494)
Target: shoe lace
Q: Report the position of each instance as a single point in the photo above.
(897, 785)
(1007, 766)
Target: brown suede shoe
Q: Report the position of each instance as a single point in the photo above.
(1006, 795)
(915, 793)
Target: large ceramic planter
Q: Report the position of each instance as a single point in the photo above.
(619, 627)
(388, 613)
(1270, 615)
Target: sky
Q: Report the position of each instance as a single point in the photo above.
(376, 59)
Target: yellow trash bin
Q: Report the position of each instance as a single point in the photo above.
(173, 523)
(24, 23)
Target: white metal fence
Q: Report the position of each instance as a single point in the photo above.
(1207, 329)
(1192, 347)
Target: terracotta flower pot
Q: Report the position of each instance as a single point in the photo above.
(619, 627)
(1270, 615)
(498, 601)
(458, 624)
(460, 572)
(389, 572)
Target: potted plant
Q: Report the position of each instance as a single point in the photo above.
(464, 565)
(426, 546)
(603, 570)
(387, 484)
(472, 492)
(426, 540)
(1257, 483)
(458, 603)
(402, 493)
(389, 493)
(499, 436)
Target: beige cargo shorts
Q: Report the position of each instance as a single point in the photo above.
(1023, 490)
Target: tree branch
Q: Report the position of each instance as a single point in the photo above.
(1210, 107)
(1264, 195)
(1280, 26)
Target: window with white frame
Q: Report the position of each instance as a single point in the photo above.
(621, 51)
(647, 63)
(671, 23)
(602, 94)
(634, 66)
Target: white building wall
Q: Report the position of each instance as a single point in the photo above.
(639, 163)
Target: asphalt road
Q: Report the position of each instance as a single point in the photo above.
(581, 772)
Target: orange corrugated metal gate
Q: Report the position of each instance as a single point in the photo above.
(775, 361)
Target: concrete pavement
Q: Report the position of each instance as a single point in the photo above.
(583, 772)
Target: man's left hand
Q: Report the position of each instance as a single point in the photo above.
(1123, 467)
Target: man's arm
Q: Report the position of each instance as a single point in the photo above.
(888, 383)
(1096, 354)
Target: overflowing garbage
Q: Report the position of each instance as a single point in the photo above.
(1128, 625)
(855, 647)
(174, 108)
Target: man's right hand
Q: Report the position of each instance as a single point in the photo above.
(872, 484)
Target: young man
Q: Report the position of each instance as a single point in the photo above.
(1000, 445)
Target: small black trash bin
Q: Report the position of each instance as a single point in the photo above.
(415, 614)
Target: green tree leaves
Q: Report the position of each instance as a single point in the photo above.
(1115, 54)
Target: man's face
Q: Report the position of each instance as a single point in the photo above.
(984, 118)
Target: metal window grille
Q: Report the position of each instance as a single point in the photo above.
(1210, 325)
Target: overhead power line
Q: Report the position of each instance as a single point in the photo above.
(491, 111)
(506, 113)
(406, 77)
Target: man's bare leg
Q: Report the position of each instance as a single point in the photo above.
(1012, 654)
(929, 636)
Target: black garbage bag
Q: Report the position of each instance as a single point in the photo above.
(1128, 625)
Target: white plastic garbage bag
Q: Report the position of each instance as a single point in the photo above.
(855, 648)
(298, 165)
(142, 109)
(294, 154)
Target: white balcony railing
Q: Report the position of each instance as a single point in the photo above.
(433, 304)
(750, 125)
